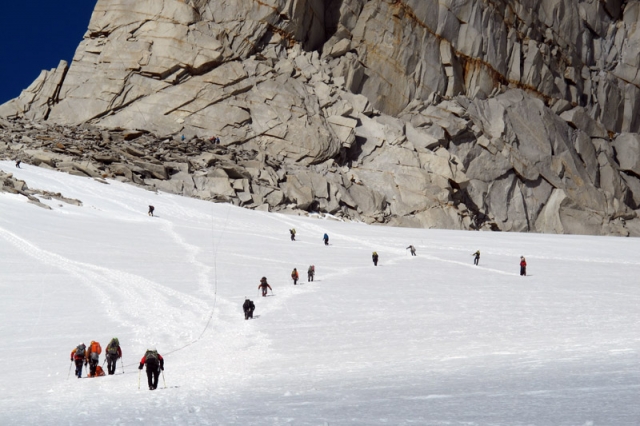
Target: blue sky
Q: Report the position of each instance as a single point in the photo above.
(36, 35)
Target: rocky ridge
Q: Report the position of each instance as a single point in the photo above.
(505, 115)
(9, 184)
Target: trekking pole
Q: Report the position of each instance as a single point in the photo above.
(163, 381)
(122, 364)
(139, 373)
(69, 375)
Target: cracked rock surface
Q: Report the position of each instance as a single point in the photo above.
(504, 115)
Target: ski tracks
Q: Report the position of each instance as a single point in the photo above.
(138, 303)
(191, 252)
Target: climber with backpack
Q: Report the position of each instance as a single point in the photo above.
(476, 257)
(295, 276)
(113, 353)
(374, 257)
(264, 285)
(77, 355)
(92, 356)
(292, 231)
(154, 363)
(325, 238)
(248, 307)
(310, 273)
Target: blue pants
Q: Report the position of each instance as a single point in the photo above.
(79, 367)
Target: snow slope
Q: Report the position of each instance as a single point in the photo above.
(425, 340)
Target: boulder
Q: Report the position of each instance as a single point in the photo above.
(297, 193)
(156, 171)
(213, 187)
(579, 119)
(627, 152)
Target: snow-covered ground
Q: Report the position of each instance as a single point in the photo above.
(425, 340)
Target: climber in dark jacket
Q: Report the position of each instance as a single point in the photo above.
(248, 308)
(154, 362)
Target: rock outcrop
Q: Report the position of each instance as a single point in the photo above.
(9, 184)
(504, 115)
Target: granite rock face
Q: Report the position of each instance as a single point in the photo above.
(505, 115)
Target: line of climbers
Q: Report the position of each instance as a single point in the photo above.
(84, 355)
(90, 355)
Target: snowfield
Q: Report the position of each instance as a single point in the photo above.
(425, 340)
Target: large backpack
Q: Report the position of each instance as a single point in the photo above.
(96, 348)
(80, 351)
(151, 357)
(112, 347)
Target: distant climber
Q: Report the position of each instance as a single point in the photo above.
(523, 266)
(18, 163)
(77, 355)
(264, 286)
(295, 276)
(476, 257)
(292, 231)
(311, 272)
(326, 239)
(248, 307)
(151, 209)
(374, 257)
(154, 363)
(92, 356)
(214, 140)
(412, 249)
(113, 353)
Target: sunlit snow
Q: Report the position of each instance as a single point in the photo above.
(425, 340)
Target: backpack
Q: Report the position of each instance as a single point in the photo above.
(151, 357)
(96, 348)
(112, 348)
(80, 351)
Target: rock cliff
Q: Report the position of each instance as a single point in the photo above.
(466, 114)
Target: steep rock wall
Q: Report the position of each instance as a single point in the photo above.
(460, 114)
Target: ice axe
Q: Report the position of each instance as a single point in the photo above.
(69, 375)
